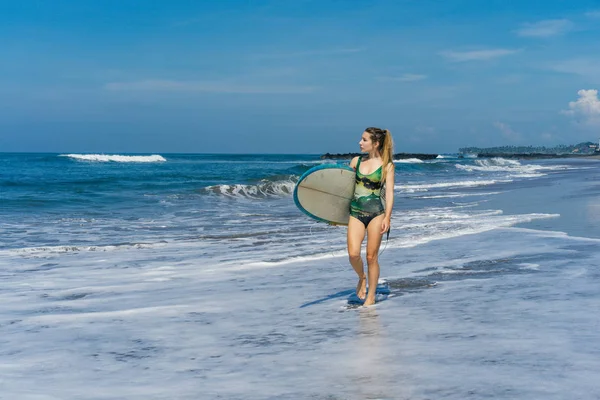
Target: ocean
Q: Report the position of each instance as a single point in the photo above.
(182, 276)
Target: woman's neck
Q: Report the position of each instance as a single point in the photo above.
(373, 154)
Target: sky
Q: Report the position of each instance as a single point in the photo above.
(303, 76)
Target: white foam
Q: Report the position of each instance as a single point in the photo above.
(245, 334)
(261, 190)
(456, 195)
(115, 158)
(512, 166)
(530, 266)
(409, 161)
(466, 272)
(430, 225)
(48, 250)
(426, 186)
(168, 311)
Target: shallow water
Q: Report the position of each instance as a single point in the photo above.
(494, 293)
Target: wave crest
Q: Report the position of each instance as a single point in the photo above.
(264, 189)
(115, 158)
(513, 166)
(409, 161)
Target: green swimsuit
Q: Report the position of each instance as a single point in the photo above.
(366, 203)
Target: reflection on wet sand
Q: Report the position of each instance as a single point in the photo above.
(369, 368)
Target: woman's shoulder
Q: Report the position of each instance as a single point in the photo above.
(354, 162)
(389, 168)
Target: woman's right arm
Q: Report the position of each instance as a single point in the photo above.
(353, 163)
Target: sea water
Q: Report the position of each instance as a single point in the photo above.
(168, 276)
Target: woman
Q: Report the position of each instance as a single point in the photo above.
(374, 180)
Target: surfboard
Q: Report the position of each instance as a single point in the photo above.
(324, 193)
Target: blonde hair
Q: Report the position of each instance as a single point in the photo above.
(385, 142)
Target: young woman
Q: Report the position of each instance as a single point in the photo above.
(368, 214)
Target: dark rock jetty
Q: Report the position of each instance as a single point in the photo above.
(398, 156)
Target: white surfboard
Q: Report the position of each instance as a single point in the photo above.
(325, 192)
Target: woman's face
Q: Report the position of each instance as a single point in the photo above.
(366, 144)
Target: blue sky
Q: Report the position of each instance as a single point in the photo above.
(296, 76)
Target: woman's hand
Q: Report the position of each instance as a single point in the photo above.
(385, 225)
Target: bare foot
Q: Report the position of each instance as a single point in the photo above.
(361, 287)
(369, 301)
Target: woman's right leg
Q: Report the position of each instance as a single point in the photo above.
(356, 235)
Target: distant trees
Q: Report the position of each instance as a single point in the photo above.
(584, 147)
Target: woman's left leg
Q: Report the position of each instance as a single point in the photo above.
(356, 235)
(373, 242)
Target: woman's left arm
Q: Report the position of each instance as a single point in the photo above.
(389, 197)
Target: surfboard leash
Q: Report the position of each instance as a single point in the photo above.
(387, 239)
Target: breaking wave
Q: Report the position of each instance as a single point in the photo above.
(115, 158)
(512, 166)
(263, 189)
(409, 161)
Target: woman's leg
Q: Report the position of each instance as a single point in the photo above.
(356, 235)
(373, 242)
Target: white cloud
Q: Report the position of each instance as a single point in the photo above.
(585, 67)
(586, 108)
(507, 132)
(593, 14)
(476, 55)
(546, 28)
(309, 53)
(199, 87)
(403, 78)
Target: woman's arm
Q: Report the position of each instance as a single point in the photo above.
(389, 197)
(354, 162)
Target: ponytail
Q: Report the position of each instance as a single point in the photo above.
(387, 152)
(386, 147)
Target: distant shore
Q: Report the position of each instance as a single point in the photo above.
(424, 157)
